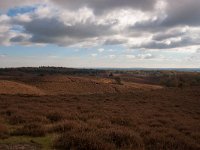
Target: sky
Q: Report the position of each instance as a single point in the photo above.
(100, 33)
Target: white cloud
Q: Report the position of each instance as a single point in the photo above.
(80, 26)
(140, 56)
(198, 51)
(145, 56)
(94, 55)
(100, 50)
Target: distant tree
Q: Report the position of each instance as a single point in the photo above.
(111, 74)
(41, 75)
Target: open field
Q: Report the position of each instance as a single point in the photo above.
(97, 112)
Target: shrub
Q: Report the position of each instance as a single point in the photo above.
(98, 123)
(111, 75)
(3, 131)
(118, 80)
(173, 141)
(15, 116)
(123, 138)
(64, 126)
(41, 75)
(55, 116)
(34, 130)
(81, 141)
(16, 119)
(121, 121)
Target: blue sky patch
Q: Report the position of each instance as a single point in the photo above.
(20, 10)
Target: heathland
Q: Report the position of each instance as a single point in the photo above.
(88, 109)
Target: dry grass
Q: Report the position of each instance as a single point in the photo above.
(60, 84)
(11, 87)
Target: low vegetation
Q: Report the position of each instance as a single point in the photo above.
(33, 129)
(3, 131)
(165, 118)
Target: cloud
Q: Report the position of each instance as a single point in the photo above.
(7, 4)
(174, 33)
(183, 12)
(101, 6)
(169, 39)
(42, 32)
(19, 38)
(140, 56)
(5, 30)
(115, 41)
(100, 50)
(174, 14)
(177, 13)
(169, 44)
(130, 56)
(198, 51)
(136, 24)
(60, 29)
(94, 55)
(145, 56)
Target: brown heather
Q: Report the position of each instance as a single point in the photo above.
(127, 118)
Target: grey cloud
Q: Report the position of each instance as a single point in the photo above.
(149, 25)
(166, 35)
(183, 12)
(177, 13)
(19, 38)
(55, 27)
(115, 41)
(185, 41)
(100, 6)
(54, 30)
(7, 4)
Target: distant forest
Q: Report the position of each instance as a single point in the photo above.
(52, 70)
